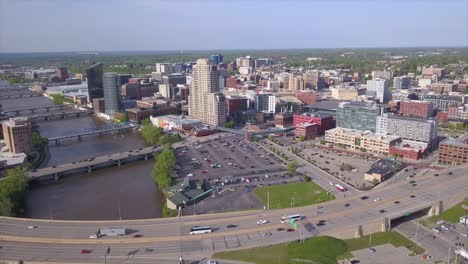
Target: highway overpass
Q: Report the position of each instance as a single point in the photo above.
(89, 165)
(62, 241)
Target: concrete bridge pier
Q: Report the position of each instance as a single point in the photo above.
(358, 233)
(119, 163)
(57, 142)
(56, 176)
(385, 225)
(90, 169)
(79, 138)
(436, 208)
(146, 156)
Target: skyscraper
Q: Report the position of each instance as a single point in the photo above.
(205, 101)
(216, 59)
(112, 97)
(95, 85)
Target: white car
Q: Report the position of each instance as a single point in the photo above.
(262, 222)
(463, 235)
(211, 262)
(440, 222)
(93, 236)
(436, 229)
(32, 227)
(376, 199)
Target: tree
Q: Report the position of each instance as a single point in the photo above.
(292, 167)
(12, 192)
(38, 140)
(375, 182)
(301, 138)
(322, 141)
(230, 124)
(165, 165)
(465, 91)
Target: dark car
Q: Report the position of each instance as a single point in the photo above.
(364, 197)
(280, 229)
(346, 204)
(231, 226)
(382, 211)
(412, 196)
(85, 251)
(290, 230)
(137, 236)
(412, 182)
(436, 175)
(450, 173)
(397, 202)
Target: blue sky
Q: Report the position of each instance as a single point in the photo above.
(124, 25)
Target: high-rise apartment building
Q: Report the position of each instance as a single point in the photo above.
(265, 103)
(95, 84)
(416, 109)
(112, 95)
(357, 115)
(379, 89)
(416, 129)
(401, 82)
(205, 101)
(17, 133)
(442, 102)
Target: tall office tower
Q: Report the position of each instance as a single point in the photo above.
(357, 115)
(112, 97)
(402, 82)
(205, 101)
(379, 89)
(17, 133)
(95, 85)
(216, 59)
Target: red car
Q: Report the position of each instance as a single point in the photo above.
(205, 171)
(137, 235)
(85, 251)
(290, 230)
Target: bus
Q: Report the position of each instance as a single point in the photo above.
(340, 188)
(200, 230)
(287, 219)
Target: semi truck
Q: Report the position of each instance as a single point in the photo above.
(111, 231)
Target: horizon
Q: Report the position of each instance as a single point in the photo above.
(206, 25)
(97, 52)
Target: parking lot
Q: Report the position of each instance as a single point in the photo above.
(332, 161)
(234, 168)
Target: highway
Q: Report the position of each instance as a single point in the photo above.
(62, 241)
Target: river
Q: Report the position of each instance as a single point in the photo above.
(115, 193)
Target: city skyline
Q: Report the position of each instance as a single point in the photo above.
(66, 26)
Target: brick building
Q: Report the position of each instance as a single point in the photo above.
(232, 82)
(236, 105)
(307, 97)
(325, 122)
(307, 130)
(284, 120)
(17, 133)
(453, 152)
(99, 105)
(415, 108)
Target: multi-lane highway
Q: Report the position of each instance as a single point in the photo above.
(166, 239)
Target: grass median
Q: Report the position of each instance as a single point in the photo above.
(451, 215)
(321, 250)
(293, 195)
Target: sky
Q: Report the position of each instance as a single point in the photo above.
(147, 25)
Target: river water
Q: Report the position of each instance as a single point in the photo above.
(127, 192)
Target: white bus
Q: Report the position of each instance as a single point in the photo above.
(286, 219)
(200, 230)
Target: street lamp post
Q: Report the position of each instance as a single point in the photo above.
(465, 207)
(105, 255)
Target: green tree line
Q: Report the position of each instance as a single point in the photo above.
(12, 192)
(155, 136)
